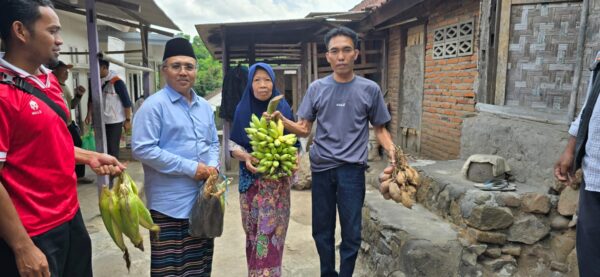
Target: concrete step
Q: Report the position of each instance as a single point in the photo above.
(398, 241)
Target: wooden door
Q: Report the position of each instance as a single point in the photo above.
(411, 97)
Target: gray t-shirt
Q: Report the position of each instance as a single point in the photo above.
(342, 112)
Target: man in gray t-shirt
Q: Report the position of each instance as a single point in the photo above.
(343, 112)
(343, 104)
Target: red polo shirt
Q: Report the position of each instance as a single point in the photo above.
(38, 154)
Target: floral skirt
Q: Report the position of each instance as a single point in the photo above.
(265, 215)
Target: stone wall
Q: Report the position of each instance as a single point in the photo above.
(397, 241)
(527, 232)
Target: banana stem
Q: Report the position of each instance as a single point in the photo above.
(274, 103)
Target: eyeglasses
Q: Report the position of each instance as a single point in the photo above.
(189, 67)
(345, 51)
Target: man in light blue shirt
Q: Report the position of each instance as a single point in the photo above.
(583, 151)
(175, 138)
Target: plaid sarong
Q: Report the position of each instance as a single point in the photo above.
(176, 253)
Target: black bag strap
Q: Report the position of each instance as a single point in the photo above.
(21, 84)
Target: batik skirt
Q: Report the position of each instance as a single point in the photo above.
(265, 210)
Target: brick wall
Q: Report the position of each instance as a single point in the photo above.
(393, 83)
(449, 85)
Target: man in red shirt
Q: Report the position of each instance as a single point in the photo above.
(41, 229)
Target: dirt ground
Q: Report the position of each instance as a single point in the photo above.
(300, 256)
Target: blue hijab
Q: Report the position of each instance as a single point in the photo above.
(249, 105)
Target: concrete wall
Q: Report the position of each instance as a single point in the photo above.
(449, 85)
(530, 147)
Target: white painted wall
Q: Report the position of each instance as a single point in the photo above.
(116, 44)
(74, 35)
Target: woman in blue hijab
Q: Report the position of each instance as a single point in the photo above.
(265, 204)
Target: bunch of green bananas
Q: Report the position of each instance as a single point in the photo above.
(123, 212)
(274, 150)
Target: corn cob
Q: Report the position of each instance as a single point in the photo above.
(123, 212)
(106, 206)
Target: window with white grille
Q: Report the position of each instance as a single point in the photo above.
(453, 41)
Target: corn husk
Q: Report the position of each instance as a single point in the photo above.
(123, 212)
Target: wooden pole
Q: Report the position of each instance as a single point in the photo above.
(95, 93)
(226, 124)
(146, 75)
(485, 20)
(384, 65)
(309, 62)
(363, 52)
(251, 54)
(315, 60)
(502, 59)
(579, 62)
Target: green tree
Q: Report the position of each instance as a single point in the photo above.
(209, 76)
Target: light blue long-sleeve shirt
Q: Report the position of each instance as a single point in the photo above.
(170, 137)
(591, 160)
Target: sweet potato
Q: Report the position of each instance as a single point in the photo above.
(406, 200)
(400, 178)
(395, 192)
(412, 176)
(384, 187)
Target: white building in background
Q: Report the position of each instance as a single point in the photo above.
(112, 37)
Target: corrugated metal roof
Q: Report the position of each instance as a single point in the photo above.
(133, 37)
(241, 34)
(275, 39)
(149, 12)
(351, 15)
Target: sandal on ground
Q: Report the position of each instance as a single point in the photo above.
(496, 185)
